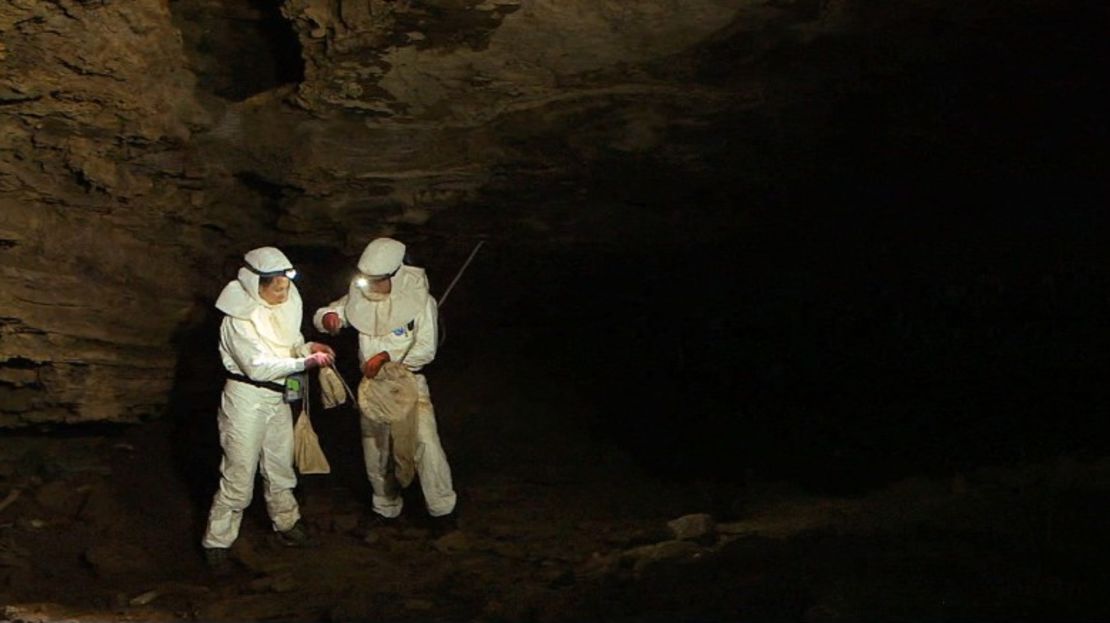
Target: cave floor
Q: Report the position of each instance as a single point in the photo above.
(555, 526)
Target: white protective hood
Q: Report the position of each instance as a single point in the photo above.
(407, 298)
(279, 325)
(381, 257)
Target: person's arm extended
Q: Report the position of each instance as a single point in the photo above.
(338, 308)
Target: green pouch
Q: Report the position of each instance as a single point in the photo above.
(296, 387)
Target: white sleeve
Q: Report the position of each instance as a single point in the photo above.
(338, 307)
(240, 340)
(302, 348)
(423, 349)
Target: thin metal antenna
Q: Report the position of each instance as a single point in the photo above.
(443, 299)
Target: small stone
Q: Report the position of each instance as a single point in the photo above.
(144, 598)
(693, 527)
(453, 542)
(600, 564)
(648, 556)
(643, 536)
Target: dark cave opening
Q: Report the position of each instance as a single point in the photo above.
(911, 285)
(238, 49)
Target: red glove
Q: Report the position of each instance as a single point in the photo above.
(317, 360)
(332, 323)
(374, 364)
(317, 347)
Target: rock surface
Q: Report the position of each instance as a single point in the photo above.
(145, 145)
(103, 242)
(128, 190)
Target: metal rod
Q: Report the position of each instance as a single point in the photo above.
(443, 298)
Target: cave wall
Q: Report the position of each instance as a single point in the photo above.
(134, 167)
(108, 233)
(144, 145)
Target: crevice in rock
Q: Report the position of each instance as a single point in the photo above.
(238, 49)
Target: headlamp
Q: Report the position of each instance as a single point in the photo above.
(364, 281)
(289, 273)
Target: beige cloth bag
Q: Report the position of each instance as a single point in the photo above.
(390, 399)
(332, 391)
(307, 454)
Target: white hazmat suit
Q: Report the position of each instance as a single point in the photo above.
(402, 324)
(263, 343)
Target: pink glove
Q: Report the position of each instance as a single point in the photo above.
(332, 323)
(317, 347)
(317, 360)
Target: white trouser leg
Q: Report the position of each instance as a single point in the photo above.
(430, 459)
(377, 450)
(241, 423)
(278, 477)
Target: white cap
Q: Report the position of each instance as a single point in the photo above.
(383, 256)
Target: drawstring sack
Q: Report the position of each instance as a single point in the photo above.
(332, 390)
(307, 454)
(390, 399)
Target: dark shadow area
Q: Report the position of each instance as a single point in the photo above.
(238, 49)
(900, 274)
(194, 437)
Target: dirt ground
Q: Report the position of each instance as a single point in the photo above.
(557, 522)
(554, 527)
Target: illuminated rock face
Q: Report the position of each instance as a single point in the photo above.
(121, 180)
(100, 227)
(144, 145)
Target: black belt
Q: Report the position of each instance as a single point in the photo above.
(270, 385)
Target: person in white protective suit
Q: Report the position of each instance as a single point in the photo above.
(395, 315)
(263, 352)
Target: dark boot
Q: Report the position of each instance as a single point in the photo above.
(375, 524)
(444, 525)
(296, 536)
(219, 561)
